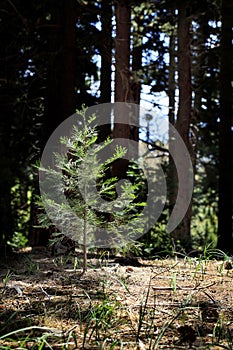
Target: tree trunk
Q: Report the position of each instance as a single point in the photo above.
(7, 162)
(6, 222)
(61, 66)
(122, 55)
(135, 78)
(225, 241)
(106, 68)
(136, 63)
(172, 174)
(106, 52)
(182, 232)
(122, 83)
(60, 96)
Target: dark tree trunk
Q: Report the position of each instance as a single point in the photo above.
(172, 175)
(135, 77)
(60, 96)
(60, 101)
(136, 63)
(182, 232)
(6, 222)
(68, 69)
(122, 53)
(106, 68)
(122, 82)
(7, 166)
(225, 241)
(106, 52)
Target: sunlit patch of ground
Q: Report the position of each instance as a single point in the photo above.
(46, 303)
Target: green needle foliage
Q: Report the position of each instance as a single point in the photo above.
(96, 207)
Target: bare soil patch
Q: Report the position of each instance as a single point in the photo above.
(45, 303)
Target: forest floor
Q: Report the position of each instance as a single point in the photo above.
(45, 303)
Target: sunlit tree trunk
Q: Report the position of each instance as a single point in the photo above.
(225, 241)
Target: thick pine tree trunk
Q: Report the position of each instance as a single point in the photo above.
(60, 95)
(122, 83)
(127, 86)
(182, 232)
(60, 102)
(225, 241)
(7, 177)
(122, 51)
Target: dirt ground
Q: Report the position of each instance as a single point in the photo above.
(46, 303)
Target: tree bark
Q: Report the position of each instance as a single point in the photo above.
(106, 68)
(122, 83)
(182, 233)
(106, 52)
(122, 53)
(60, 94)
(172, 174)
(135, 77)
(225, 240)
(60, 102)
(7, 161)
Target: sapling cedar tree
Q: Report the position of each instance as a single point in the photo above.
(89, 188)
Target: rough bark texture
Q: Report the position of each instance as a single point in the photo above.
(225, 241)
(122, 55)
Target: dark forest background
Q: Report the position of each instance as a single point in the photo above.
(56, 56)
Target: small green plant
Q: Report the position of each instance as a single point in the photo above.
(18, 240)
(157, 242)
(123, 280)
(173, 282)
(115, 344)
(84, 178)
(100, 319)
(32, 266)
(6, 278)
(131, 248)
(75, 263)
(142, 313)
